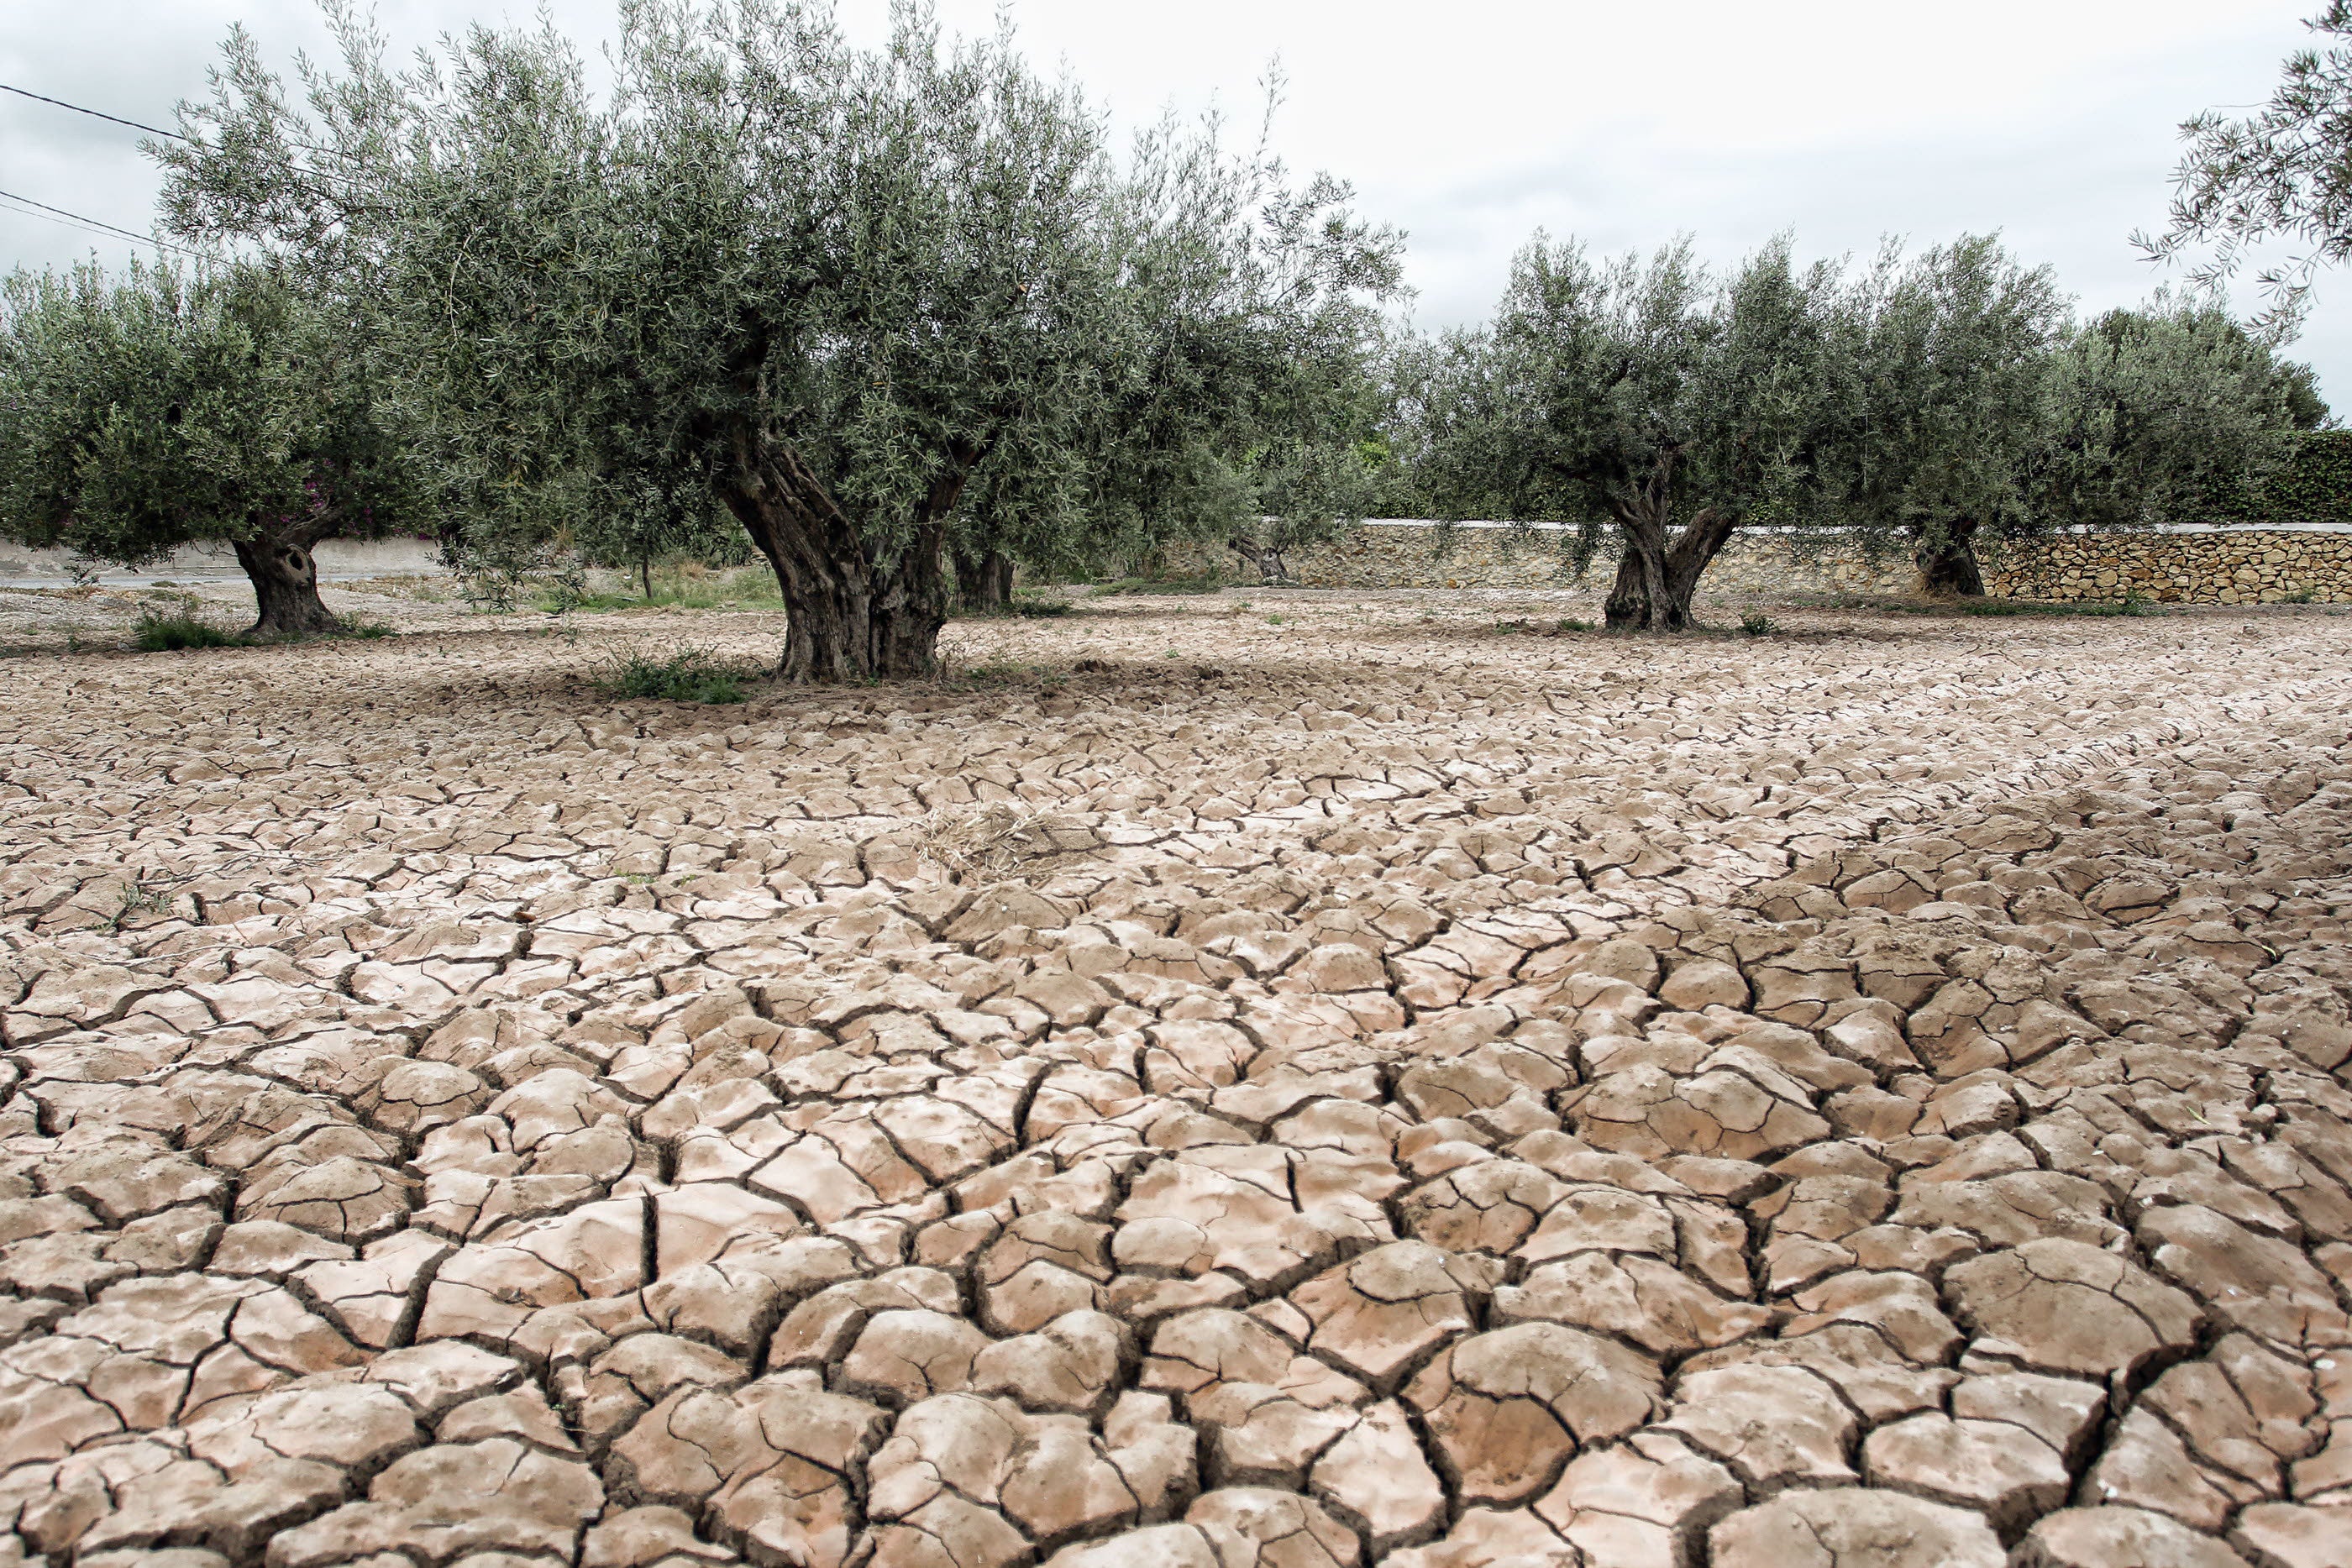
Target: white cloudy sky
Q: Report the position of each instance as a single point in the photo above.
(1469, 124)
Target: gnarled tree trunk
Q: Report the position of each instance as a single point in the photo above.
(1658, 572)
(1947, 564)
(284, 587)
(1267, 559)
(850, 615)
(1627, 608)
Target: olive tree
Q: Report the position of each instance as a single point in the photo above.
(872, 301)
(171, 406)
(2163, 414)
(1239, 380)
(2281, 173)
(1946, 382)
(1650, 404)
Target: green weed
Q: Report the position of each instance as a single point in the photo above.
(684, 676)
(1757, 624)
(690, 586)
(2132, 605)
(179, 627)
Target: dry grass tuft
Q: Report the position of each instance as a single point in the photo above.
(1000, 842)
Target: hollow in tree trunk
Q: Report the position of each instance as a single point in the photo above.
(983, 580)
(1947, 564)
(285, 588)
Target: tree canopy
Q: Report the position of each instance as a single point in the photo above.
(849, 294)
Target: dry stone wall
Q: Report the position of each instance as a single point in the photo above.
(2205, 566)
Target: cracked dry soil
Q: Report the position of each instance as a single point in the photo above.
(1401, 1095)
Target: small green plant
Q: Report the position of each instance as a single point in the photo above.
(1274, 620)
(679, 585)
(1038, 609)
(174, 628)
(1755, 623)
(684, 676)
(367, 631)
(1567, 623)
(138, 899)
(2300, 596)
(1509, 628)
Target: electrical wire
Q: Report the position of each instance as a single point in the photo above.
(159, 131)
(90, 225)
(93, 113)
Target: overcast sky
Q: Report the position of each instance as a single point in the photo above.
(1468, 124)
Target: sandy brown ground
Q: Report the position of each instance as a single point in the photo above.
(1360, 1088)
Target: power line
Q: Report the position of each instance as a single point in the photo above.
(159, 131)
(93, 113)
(91, 224)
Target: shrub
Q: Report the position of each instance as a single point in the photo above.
(174, 628)
(1757, 624)
(684, 676)
(2314, 485)
(1038, 609)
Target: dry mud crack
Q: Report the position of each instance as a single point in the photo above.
(1355, 1090)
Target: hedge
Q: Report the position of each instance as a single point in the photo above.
(2314, 486)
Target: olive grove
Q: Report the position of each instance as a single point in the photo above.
(1927, 402)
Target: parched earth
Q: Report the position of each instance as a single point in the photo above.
(1201, 1090)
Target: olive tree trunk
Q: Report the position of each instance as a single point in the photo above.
(852, 614)
(983, 580)
(285, 589)
(1267, 559)
(1947, 564)
(1658, 573)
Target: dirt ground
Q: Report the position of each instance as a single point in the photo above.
(1218, 1083)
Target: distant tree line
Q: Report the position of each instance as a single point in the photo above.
(1927, 402)
(899, 317)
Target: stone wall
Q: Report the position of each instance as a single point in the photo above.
(337, 558)
(2197, 566)
(2221, 566)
